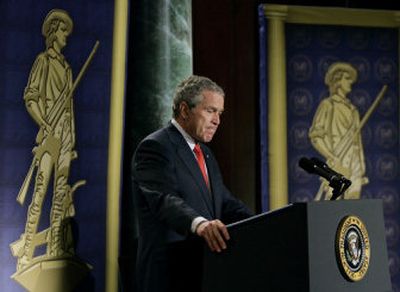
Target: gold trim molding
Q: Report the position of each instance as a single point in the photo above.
(329, 15)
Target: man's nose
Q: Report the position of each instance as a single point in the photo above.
(216, 119)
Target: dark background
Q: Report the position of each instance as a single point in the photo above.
(225, 49)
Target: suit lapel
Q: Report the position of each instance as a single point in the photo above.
(185, 154)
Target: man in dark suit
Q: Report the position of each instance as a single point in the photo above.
(179, 192)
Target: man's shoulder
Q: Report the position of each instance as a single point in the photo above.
(42, 58)
(165, 137)
(326, 104)
(159, 142)
(159, 135)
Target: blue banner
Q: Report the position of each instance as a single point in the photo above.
(53, 140)
(311, 50)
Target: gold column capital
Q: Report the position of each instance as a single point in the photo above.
(276, 11)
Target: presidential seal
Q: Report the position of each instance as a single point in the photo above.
(352, 248)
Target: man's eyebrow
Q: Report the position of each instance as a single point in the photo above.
(214, 108)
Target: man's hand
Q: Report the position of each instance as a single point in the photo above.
(215, 234)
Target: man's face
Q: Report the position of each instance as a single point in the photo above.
(202, 121)
(346, 83)
(61, 35)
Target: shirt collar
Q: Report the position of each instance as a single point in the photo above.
(339, 98)
(185, 135)
(52, 53)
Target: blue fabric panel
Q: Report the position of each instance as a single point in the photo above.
(263, 109)
(374, 53)
(20, 42)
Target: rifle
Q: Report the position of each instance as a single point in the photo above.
(345, 143)
(52, 118)
(57, 110)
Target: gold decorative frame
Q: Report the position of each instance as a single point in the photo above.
(118, 77)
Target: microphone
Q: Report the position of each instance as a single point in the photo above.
(324, 166)
(336, 180)
(315, 166)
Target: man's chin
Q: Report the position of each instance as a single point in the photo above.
(206, 139)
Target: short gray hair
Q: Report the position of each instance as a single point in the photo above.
(190, 91)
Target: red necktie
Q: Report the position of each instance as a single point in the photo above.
(201, 162)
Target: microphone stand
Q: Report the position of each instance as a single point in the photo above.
(339, 186)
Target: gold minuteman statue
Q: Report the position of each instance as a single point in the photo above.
(48, 99)
(336, 131)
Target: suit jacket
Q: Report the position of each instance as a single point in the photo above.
(170, 192)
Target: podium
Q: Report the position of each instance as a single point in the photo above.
(302, 247)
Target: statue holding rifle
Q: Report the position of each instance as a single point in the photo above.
(336, 131)
(48, 98)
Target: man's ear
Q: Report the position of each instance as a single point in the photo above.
(184, 110)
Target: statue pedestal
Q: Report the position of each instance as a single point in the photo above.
(49, 275)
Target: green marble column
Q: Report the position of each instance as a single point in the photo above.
(162, 52)
(159, 57)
